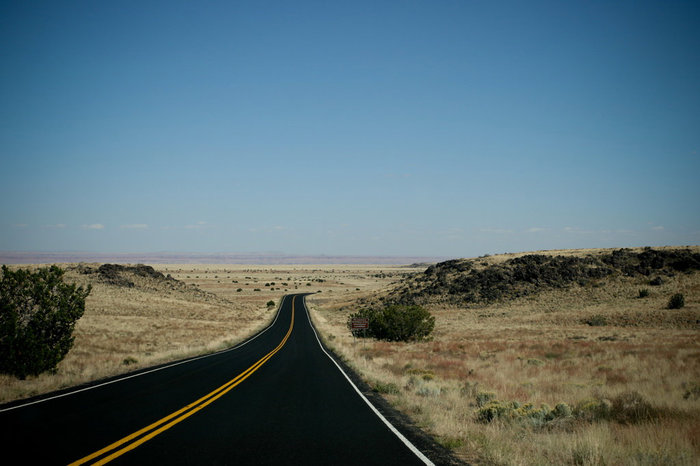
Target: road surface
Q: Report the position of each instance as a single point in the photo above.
(279, 398)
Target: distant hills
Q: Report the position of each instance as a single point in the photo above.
(199, 258)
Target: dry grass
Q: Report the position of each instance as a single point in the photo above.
(126, 328)
(536, 349)
(539, 350)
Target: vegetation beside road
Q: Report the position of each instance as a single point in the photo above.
(38, 312)
(597, 370)
(582, 372)
(140, 315)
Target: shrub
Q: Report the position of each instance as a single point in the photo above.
(270, 303)
(643, 293)
(38, 313)
(632, 408)
(593, 410)
(483, 398)
(656, 281)
(526, 413)
(625, 408)
(677, 301)
(397, 323)
(386, 388)
(597, 320)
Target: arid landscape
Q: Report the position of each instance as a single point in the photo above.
(137, 315)
(579, 362)
(594, 373)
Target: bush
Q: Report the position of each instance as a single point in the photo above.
(597, 320)
(632, 408)
(643, 293)
(677, 301)
(397, 323)
(528, 414)
(270, 303)
(38, 313)
(386, 388)
(656, 281)
(625, 408)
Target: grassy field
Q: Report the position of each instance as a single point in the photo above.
(134, 321)
(587, 375)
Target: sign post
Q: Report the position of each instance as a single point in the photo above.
(359, 323)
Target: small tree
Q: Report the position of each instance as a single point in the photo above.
(397, 323)
(38, 313)
(270, 303)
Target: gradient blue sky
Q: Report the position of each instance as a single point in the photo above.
(452, 128)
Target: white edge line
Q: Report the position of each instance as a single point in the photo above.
(120, 379)
(391, 427)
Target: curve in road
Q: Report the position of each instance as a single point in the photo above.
(288, 402)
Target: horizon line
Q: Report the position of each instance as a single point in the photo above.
(247, 258)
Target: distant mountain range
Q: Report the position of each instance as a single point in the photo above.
(200, 258)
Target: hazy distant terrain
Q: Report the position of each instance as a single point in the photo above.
(9, 257)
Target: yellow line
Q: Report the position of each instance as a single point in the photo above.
(188, 410)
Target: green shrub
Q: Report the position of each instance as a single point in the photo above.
(386, 388)
(677, 301)
(397, 323)
(270, 303)
(643, 293)
(38, 313)
(451, 443)
(593, 410)
(513, 411)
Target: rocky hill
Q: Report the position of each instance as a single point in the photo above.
(142, 277)
(479, 281)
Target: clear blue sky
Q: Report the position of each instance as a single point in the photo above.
(451, 128)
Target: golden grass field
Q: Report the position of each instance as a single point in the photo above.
(535, 349)
(126, 328)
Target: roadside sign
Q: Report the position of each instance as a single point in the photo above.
(359, 323)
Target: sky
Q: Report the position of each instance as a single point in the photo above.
(434, 128)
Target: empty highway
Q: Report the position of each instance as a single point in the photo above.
(279, 398)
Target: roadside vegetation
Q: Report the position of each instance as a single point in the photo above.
(552, 358)
(140, 315)
(395, 323)
(38, 312)
(580, 365)
(136, 316)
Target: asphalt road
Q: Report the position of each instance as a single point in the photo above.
(277, 399)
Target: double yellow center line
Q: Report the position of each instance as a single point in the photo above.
(142, 436)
